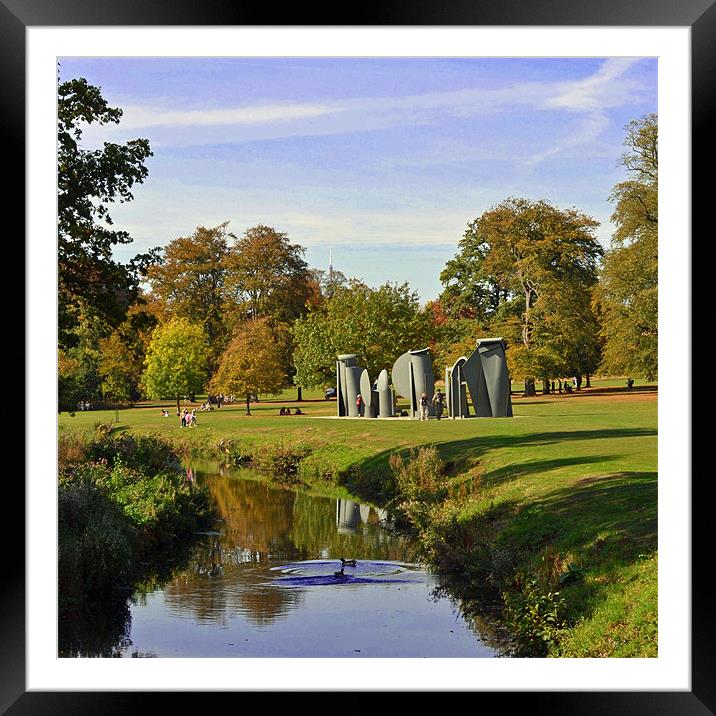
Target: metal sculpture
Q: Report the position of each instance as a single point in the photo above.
(348, 375)
(412, 376)
(485, 377)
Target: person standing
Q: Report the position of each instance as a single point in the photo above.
(438, 403)
(424, 406)
(360, 404)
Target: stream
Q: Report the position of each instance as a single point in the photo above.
(267, 581)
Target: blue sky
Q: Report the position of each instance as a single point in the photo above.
(384, 162)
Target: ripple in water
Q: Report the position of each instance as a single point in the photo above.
(328, 572)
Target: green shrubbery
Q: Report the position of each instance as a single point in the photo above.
(126, 499)
(281, 460)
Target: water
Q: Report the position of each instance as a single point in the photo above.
(263, 583)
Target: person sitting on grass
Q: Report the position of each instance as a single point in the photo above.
(298, 411)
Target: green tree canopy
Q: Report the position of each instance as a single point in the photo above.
(527, 270)
(379, 324)
(627, 295)
(90, 280)
(266, 276)
(253, 363)
(176, 360)
(189, 280)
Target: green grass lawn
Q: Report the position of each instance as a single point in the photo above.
(569, 485)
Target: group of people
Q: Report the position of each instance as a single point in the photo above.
(287, 411)
(186, 418)
(437, 401)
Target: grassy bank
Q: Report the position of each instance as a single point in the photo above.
(552, 512)
(123, 501)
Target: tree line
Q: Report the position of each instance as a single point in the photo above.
(245, 314)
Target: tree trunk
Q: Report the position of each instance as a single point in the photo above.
(248, 404)
(545, 386)
(300, 394)
(587, 384)
(178, 406)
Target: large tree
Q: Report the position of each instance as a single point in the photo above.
(252, 363)
(189, 280)
(176, 360)
(532, 267)
(91, 282)
(627, 294)
(378, 324)
(267, 277)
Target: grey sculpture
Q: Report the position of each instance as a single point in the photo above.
(348, 375)
(386, 398)
(485, 377)
(412, 376)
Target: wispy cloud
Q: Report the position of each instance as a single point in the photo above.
(172, 126)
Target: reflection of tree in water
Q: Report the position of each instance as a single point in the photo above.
(96, 632)
(343, 528)
(257, 517)
(479, 610)
(103, 630)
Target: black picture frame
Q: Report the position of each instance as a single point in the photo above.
(699, 15)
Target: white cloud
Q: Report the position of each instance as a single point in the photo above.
(172, 126)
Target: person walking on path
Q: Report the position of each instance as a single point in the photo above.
(438, 403)
(424, 406)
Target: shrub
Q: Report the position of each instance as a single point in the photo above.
(281, 460)
(233, 453)
(111, 512)
(95, 542)
(420, 478)
(535, 617)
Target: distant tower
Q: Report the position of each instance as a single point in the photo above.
(330, 262)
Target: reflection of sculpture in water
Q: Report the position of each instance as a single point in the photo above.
(484, 376)
(349, 516)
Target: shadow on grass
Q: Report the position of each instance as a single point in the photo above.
(456, 453)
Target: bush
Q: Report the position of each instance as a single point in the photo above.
(95, 542)
(281, 460)
(535, 617)
(234, 454)
(422, 477)
(112, 512)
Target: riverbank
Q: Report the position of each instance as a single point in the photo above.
(554, 512)
(126, 513)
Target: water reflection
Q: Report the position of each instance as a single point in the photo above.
(271, 559)
(260, 525)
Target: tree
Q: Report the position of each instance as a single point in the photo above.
(267, 277)
(251, 364)
(189, 280)
(532, 267)
(378, 324)
(176, 360)
(329, 281)
(627, 295)
(90, 280)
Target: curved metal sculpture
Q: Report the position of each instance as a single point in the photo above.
(485, 376)
(348, 374)
(412, 376)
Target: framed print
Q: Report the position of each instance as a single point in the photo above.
(641, 46)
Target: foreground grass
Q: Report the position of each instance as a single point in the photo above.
(555, 509)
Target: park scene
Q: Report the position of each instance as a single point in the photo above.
(357, 358)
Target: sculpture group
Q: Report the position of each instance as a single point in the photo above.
(483, 377)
